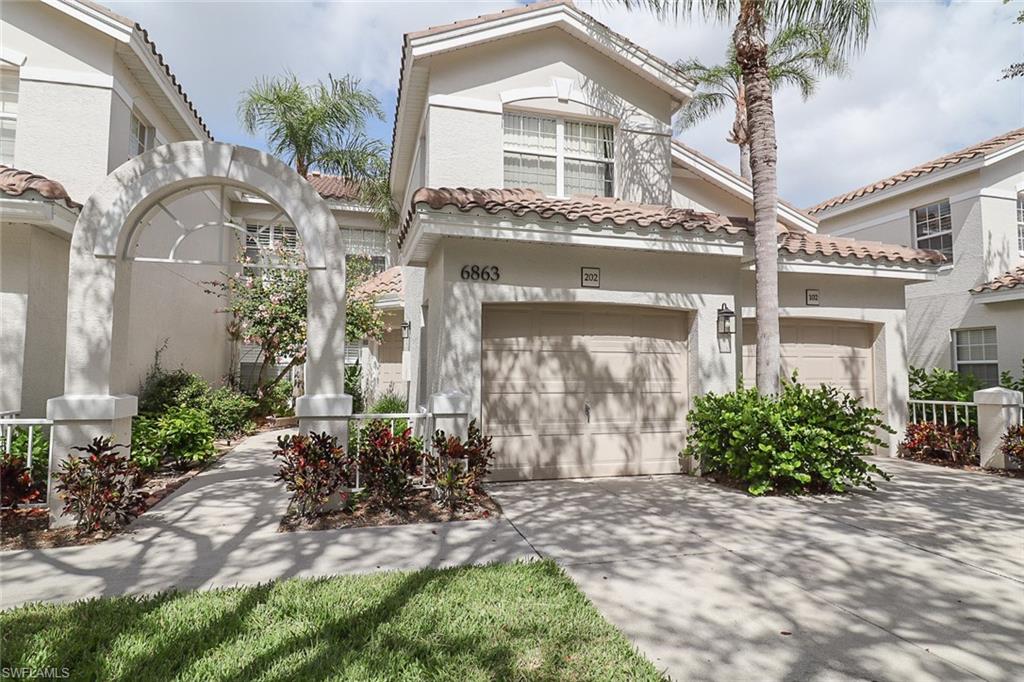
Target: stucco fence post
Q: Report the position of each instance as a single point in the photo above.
(451, 413)
(998, 409)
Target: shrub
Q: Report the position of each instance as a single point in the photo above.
(277, 400)
(458, 468)
(354, 386)
(800, 441)
(388, 403)
(313, 468)
(388, 462)
(942, 384)
(1006, 379)
(954, 442)
(100, 489)
(1012, 444)
(18, 485)
(147, 450)
(230, 412)
(162, 390)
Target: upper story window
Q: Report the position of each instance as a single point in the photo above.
(9, 86)
(933, 228)
(559, 157)
(975, 354)
(1020, 222)
(140, 136)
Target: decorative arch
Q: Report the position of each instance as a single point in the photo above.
(97, 398)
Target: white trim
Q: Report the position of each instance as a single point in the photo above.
(1000, 295)
(91, 17)
(737, 186)
(45, 213)
(67, 77)
(868, 268)
(465, 103)
(1005, 152)
(169, 91)
(12, 57)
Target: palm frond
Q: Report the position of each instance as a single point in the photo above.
(847, 23)
(703, 106)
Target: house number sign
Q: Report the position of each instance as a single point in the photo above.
(480, 273)
(812, 297)
(590, 277)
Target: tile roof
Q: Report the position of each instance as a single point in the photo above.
(334, 186)
(14, 182)
(952, 159)
(134, 25)
(599, 210)
(381, 284)
(1007, 280)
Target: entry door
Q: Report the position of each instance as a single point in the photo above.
(582, 390)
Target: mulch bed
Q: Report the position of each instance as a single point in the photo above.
(420, 508)
(28, 527)
(950, 464)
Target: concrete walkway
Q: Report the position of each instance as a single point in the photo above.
(921, 580)
(220, 529)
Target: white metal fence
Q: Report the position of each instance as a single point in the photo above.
(32, 441)
(944, 412)
(421, 424)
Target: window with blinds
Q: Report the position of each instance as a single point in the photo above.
(557, 156)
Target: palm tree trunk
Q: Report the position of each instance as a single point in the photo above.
(752, 54)
(745, 161)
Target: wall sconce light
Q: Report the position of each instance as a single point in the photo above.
(405, 331)
(726, 320)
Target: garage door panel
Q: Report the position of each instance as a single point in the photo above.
(627, 364)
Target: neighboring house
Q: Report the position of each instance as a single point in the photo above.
(383, 360)
(566, 265)
(82, 90)
(970, 206)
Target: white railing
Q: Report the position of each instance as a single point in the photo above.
(36, 431)
(420, 422)
(943, 411)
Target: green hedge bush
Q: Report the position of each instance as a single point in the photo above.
(803, 440)
(230, 412)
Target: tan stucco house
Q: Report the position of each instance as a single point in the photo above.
(968, 204)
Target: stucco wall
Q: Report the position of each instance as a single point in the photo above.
(464, 130)
(700, 195)
(33, 299)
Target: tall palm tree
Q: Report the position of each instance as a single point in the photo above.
(847, 24)
(798, 56)
(322, 127)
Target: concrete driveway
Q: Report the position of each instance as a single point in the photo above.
(921, 580)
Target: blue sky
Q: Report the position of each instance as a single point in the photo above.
(928, 82)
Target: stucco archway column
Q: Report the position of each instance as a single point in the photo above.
(97, 400)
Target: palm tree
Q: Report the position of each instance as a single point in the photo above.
(322, 127)
(847, 24)
(797, 55)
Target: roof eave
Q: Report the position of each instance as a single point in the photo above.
(1001, 295)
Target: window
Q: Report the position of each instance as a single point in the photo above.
(140, 137)
(974, 352)
(933, 228)
(8, 113)
(1020, 222)
(559, 157)
(261, 239)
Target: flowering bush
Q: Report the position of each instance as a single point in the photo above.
(957, 443)
(100, 489)
(313, 468)
(801, 440)
(1012, 444)
(388, 462)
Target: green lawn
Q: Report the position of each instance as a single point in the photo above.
(505, 621)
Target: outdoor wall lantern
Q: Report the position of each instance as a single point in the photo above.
(405, 331)
(726, 320)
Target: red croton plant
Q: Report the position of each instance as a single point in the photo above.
(313, 468)
(101, 488)
(957, 443)
(17, 486)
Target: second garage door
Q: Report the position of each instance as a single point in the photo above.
(583, 390)
(821, 352)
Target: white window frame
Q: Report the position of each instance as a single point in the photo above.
(10, 117)
(560, 156)
(1020, 222)
(942, 233)
(957, 361)
(139, 145)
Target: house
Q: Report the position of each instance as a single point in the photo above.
(570, 272)
(969, 205)
(83, 90)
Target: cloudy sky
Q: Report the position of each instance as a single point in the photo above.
(928, 82)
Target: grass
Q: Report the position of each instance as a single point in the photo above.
(504, 621)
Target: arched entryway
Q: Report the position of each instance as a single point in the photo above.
(97, 396)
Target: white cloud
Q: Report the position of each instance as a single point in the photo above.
(927, 84)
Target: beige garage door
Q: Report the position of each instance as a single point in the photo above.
(579, 390)
(822, 352)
